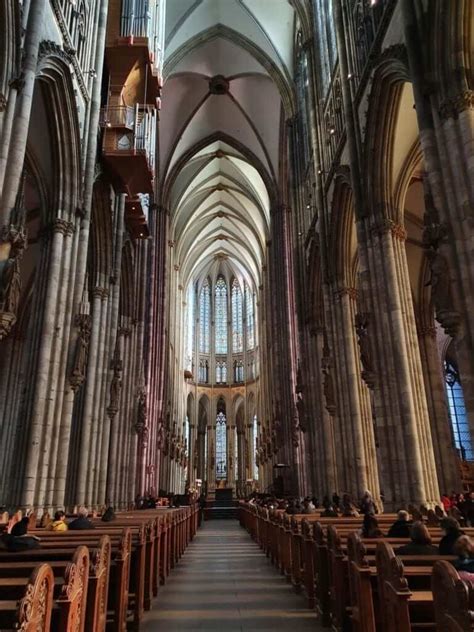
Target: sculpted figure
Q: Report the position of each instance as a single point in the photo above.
(440, 281)
(361, 324)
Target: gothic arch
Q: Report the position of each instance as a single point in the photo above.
(452, 46)
(315, 315)
(101, 233)
(57, 90)
(341, 234)
(384, 100)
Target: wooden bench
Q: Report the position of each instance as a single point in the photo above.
(70, 583)
(59, 547)
(453, 599)
(31, 609)
(97, 586)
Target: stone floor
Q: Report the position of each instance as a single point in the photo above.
(224, 582)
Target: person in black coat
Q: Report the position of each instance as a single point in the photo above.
(420, 542)
(82, 521)
(452, 532)
(401, 527)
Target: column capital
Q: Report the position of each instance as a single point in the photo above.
(429, 332)
(385, 225)
(351, 292)
(100, 292)
(451, 108)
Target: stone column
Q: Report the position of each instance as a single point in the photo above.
(84, 475)
(402, 414)
(11, 163)
(443, 443)
(40, 431)
(445, 117)
(354, 410)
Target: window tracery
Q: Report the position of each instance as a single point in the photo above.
(250, 318)
(237, 319)
(221, 445)
(457, 413)
(205, 317)
(221, 315)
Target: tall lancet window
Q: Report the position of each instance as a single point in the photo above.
(221, 444)
(250, 318)
(255, 434)
(221, 315)
(237, 319)
(204, 317)
(457, 412)
(189, 328)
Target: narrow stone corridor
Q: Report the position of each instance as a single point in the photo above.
(224, 582)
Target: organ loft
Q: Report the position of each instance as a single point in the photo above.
(236, 280)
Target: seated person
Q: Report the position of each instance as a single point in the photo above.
(59, 522)
(108, 515)
(308, 507)
(82, 521)
(420, 542)
(329, 512)
(18, 539)
(370, 527)
(464, 549)
(452, 532)
(401, 527)
(348, 507)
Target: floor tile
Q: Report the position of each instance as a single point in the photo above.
(225, 582)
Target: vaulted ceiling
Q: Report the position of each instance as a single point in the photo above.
(227, 93)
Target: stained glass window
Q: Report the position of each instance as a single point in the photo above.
(189, 328)
(255, 431)
(325, 38)
(238, 371)
(221, 372)
(236, 454)
(221, 446)
(457, 412)
(250, 318)
(237, 319)
(204, 317)
(221, 315)
(186, 432)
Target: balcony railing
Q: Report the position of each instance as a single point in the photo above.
(139, 130)
(145, 19)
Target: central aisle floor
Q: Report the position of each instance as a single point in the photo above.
(225, 582)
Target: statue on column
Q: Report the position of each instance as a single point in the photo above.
(361, 326)
(441, 292)
(15, 237)
(78, 372)
(142, 414)
(301, 408)
(116, 384)
(328, 382)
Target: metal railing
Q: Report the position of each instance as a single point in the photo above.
(140, 122)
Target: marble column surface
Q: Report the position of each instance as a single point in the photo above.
(225, 582)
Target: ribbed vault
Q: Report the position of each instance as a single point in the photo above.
(227, 93)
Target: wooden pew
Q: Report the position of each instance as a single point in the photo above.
(60, 546)
(31, 611)
(69, 590)
(402, 608)
(453, 600)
